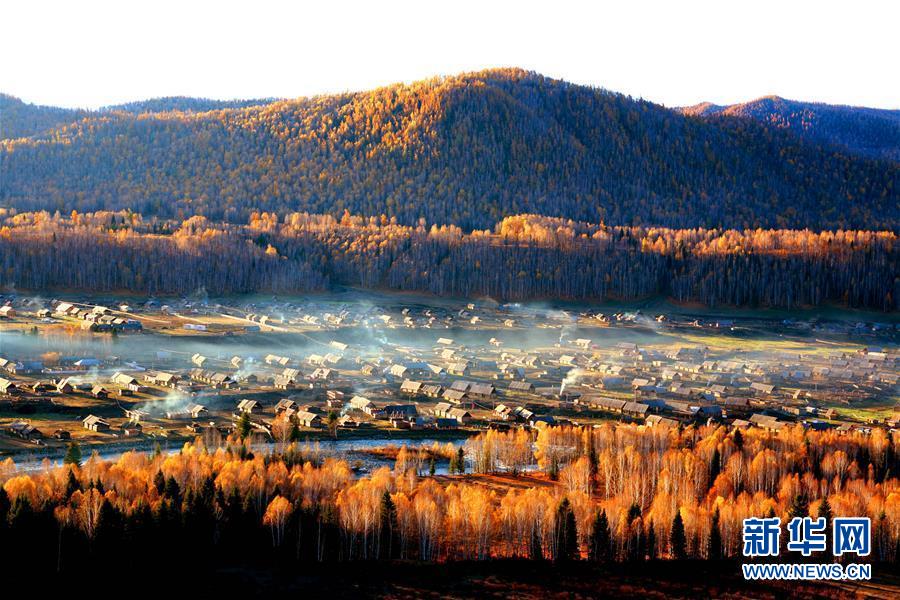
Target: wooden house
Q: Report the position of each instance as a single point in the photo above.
(635, 409)
(481, 391)
(523, 387)
(432, 390)
(95, 423)
(7, 386)
(248, 406)
(283, 405)
(308, 419)
(411, 388)
(25, 431)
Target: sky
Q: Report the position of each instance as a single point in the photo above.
(95, 53)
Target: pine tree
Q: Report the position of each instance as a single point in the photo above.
(244, 426)
(825, 511)
(599, 545)
(714, 548)
(799, 507)
(738, 439)
(651, 542)
(460, 461)
(432, 466)
(159, 482)
(109, 531)
(387, 528)
(72, 483)
(173, 491)
(677, 539)
(715, 466)
(566, 532)
(73, 454)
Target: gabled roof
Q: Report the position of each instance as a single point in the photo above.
(481, 389)
(306, 416)
(636, 407)
(285, 403)
(454, 394)
(461, 385)
(411, 386)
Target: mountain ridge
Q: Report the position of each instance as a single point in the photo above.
(466, 150)
(29, 119)
(871, 132)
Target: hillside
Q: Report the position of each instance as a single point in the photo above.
(467, 150)
(182, 104)
(865, 131)
(19, 119)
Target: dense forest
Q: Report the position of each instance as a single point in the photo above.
(467, 150)
(523, 257)
(617, 493)
(20, 119)
(865, 131)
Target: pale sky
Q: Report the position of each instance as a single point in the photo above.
(94, 52)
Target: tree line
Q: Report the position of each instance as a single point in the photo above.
(523, 257)
(617, 493)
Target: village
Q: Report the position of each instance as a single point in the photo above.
(316, 369)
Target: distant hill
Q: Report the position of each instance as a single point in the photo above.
(869, 132)
(18, 119)
(183, 104)
(466, 150)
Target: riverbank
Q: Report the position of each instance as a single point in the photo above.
(349, 438)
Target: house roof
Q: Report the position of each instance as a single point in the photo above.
(307, 416)
(411, 386)
(636, 407)
(521, 385)
(481, 389)
(454, 394)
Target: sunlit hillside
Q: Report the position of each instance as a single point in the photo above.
(467, 150)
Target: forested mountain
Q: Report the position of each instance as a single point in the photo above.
(465, 150)
(868, 132)
(18, 119)
(182, 104)
(524, 257)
